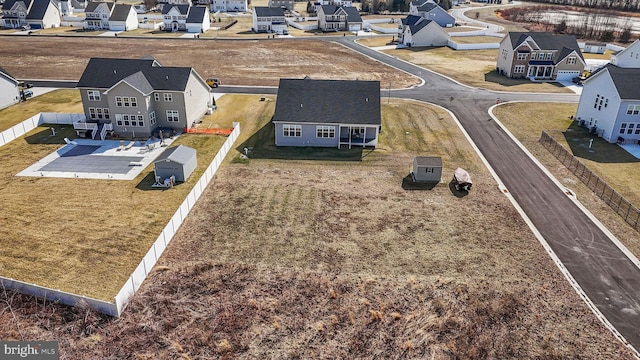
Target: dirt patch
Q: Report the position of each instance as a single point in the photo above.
(252, 62)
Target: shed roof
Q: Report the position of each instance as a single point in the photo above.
(328, 101)
(433, 161)
(180, 154)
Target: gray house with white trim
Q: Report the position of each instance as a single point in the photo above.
(135, 97)
(429, 10)
(327, 113)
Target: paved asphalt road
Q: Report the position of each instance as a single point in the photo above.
(605, 274)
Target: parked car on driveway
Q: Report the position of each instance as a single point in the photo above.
(26, 93)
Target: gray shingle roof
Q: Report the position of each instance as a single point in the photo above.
(183, 9)
(120, 12)
(7, 75)
(328, 101)
(8, 4)
(197, 14)
(428, 7)
(140, 82)
(626, 81)
(353, 16)
(103, 73)
(415, 28)
(429, 161)
(411, 19)
(93, 5)
(180, 154)
(39, 9)
(265, 11)
(548, 41)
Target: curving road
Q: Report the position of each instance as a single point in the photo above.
(609, 278)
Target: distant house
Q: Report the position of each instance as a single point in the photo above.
(174, 17)
(327, 113)
(97, 15)
(317, 4)
(225, 5)
(178, 161)
(43, 14)
(429, 10)
(629, 57)
(38, 14)
(268, 19)
(418, 31)
(163, 3)
(198, 20)
(9, 89)
(610, 104)
(540, 56)
(595, 48)
(339, 18)
(285, 4)
(123, 18)
(136, 97)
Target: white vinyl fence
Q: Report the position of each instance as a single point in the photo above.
(455, 46)
(154, 253)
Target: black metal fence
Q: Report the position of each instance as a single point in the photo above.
(619, 204)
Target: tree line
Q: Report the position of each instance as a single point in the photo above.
(620, 5)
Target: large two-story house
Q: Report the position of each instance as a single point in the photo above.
(339, 18)
(135, 97)
(418, 31)
(430, 10)
(224, 5)
(268, 19)
(38, 14)
(193, 19)
(540, 56)
(327, 113)
(123, 18)
(97, 14)
(628, 57)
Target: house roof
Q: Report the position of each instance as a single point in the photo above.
(265, 11)
(197, 14)
(328, 101)
(139, 82)
(434, 161)
(415, 28)
(180, 154)
(120, 12)
(8, 4)
(411, 19)
(39, 9)
(6, 74)
(103, 73)
(183, 9)
(428, 6)
(353, 16)
(626, 81)
(93, 5)
(565, 44)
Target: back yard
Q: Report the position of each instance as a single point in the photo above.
(321, 258)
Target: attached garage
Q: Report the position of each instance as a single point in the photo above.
(179, 161)
(566, 75)
(427, 168)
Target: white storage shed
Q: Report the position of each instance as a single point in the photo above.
(179, 161)
(427, 168)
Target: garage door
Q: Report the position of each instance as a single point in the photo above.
(36, 26)
(564, 75)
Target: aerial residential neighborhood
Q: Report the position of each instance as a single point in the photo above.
(323, 179)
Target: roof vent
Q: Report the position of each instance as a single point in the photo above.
(366, 99)
(300, 106)
(167, 77)
(115, 71)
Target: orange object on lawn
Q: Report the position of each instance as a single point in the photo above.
(210, 131)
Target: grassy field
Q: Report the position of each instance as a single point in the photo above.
(63, 101)
(609, 161)
(260, 63)
(473, 68)
(475, 39)
(78, 235)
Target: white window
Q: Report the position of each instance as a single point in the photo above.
(92, 113)
(633, 110)
(549, 55)
(533, 56)
(630, 128)
(152, 118)
(168, 97)
(119, 119)
(119, 101)
(156, 96)
(134, 102)
(127, 122)
(522, 56)
(326, 132)
(292, 130)
(518, 69)
(93, 95)
(623, 127)
(172, 115)
(140, 121)
(126, 102)
(106, 113)
(571, 60)
(99, 113)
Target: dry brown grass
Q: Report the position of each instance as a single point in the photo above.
(372, 41)
(475, 39)
(62, 101)
(527, 120)
(473, 67)
(319, 259)
(260, 63)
